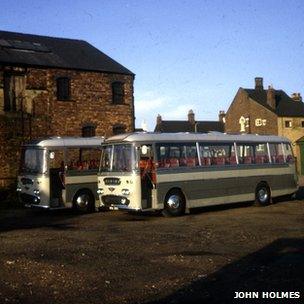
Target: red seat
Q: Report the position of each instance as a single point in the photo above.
(232, 160)
(220, 161)
(280, 159)
(206, 161)
(191, 162)
(247, 160)
(183, 161)
(260, 159)
(174, 162)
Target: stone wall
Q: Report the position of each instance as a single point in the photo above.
(261, 120)
(40, 114)
(293, 133)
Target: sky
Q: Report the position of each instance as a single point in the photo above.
(185, 54)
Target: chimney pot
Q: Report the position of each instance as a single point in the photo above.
(158, 119)
(222, 116)
(259, 83)
(191, 117)
(296, 96)
(271, 97)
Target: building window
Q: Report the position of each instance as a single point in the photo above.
(302, 123)
(63, 88)
(117, 92)
(288, 124)
(14, 90)
(9, 98)
(88, 131)
(119, 129)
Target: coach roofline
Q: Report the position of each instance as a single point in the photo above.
(212, 136)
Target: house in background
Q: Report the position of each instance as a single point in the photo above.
(268, 111)
(58, 87)
(190, 125)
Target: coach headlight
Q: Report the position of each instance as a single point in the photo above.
(18, 189)
(36, 192)
(125, 192)
(100, 191)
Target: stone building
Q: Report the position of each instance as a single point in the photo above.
(268, 111)
(190, 125)
(58, 87)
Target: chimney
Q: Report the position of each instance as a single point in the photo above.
(191, 117)
(271, 97)
(158, 120)
(259, 83)
(296, 96)
(222, 116)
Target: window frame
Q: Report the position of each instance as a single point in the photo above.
(118, 92)
(88, 129)
(289, 122)
(63, 88)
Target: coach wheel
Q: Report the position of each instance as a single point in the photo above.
(84, 201)
(174, 204)
(262, 195)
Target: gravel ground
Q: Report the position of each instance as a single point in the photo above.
(116, 257)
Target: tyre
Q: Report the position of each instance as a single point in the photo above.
(84, 201)
(262, 195)
(174, 204)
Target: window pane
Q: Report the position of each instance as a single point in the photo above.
(177, 155)
(288, 153)
(117, 92)
(88, 131)
(63, 88)
(261, 154)
(276, 153)
(217, 154)
(245, 154)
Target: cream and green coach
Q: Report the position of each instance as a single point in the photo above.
(60, 172)
(175, 172)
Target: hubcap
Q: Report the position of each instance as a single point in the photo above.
(82, 201)
(263, 195)
(174, 202)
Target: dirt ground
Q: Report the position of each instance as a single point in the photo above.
(116, 257)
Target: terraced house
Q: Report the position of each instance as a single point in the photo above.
(58, 87)
(269, 111)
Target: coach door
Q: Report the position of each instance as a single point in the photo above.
(57, 175)
(146, 175)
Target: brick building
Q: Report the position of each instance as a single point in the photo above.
(190, 125)
(270, 111)
(58, 87)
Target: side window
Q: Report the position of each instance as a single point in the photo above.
(56, 159)
(212, 155)
(177, 155)
(261, 153)
(82, 159)
(117, 92)
(63, 88)
(276, 153)
(246, 154)
(288, 153)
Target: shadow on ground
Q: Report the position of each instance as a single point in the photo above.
(30, 219)
(277, 267)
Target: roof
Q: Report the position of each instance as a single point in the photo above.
(193, 137)
(66, 142)
(42, 51)
(185, 126)
(285, 105)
